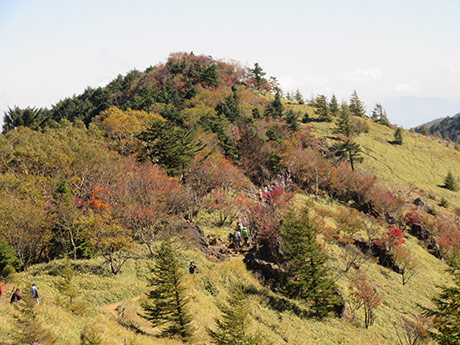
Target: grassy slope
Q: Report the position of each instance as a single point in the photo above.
(419, 162)
(270, 313)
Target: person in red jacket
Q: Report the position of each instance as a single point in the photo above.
(16, 296)
(1, 292)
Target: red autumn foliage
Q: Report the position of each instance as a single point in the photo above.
(413, 218)
(394, 237)
(447, 234)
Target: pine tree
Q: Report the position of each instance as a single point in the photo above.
(380, 115)
(258, 74)
(171, 147)
(344, 124)
(322, 108)
(450, 183)
(232, 328)
(230, 106)
(292, 120)
(167, 306)
(29, 326)
(334, 106)
(276, 109)
(356, 106)
(65, 284)
(298, 97)
(350, 149)
(445, 315)
(306, 275)
(398, 137)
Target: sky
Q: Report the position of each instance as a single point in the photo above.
(404, 54)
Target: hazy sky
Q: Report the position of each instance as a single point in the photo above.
(384, 49)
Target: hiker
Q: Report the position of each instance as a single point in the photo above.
(192, 268)
(1, 292)
(237, 240)
(245, 235)
(16, 296)
(35, 294)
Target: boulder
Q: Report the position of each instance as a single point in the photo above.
(386, 259)
(194, 235)
(426, 236)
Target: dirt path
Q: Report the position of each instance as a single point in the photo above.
(113, 306)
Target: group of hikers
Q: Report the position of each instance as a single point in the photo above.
(16, 294)
(281, 182)
(240, 234)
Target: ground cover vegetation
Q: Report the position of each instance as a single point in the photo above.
(107, 196)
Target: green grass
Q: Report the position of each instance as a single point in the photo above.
(419, 163)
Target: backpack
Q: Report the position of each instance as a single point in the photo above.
(245, 232)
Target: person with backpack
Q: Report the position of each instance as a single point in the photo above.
(1, 292)
(35, 294)
(237, 240)
(16, 296)
(245, 235)
(192, 267)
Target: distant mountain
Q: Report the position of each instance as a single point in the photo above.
(449, 127)
(412, 111)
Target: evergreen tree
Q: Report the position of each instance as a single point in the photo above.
(65, 284)
(232, 328)
(306, 274)
(167, 306)
(344, 124)
(230, 106)
(292, 120)
(306, 117)
(356, 106)
(380, 115)
(398, 137)
(350, 149)
(298, 97)
(29, 326)
(29, 117)
(334, 106)
(171, 147)
(445, 315)
(322, 108)
(424, 131)
(289, 96)
(450, 183)
(210, 76)
(276, 109)
(258, 74)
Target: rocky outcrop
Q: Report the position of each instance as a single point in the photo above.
(194, 235)
(268, 272)
(426, 236)
(386, 259)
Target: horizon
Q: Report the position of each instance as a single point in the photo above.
(55, 50)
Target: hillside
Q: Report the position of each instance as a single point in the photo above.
(183, 150)
(449, 127)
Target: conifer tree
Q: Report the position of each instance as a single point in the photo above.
(298, 97)
(258, 74)
(306, 275)
(349, 149)
(167, 306)
(231, 329)
(322, 108)
(29, 326)
(334, 106)
(344, 124)
(398, 137)
(445, 315)
(292, 120)
(65, 284)
(230, 106)
(171, 147)
(450, 183)
(356, 106)
(380, 115)
(276, 109)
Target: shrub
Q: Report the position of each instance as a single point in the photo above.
(364, 296)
